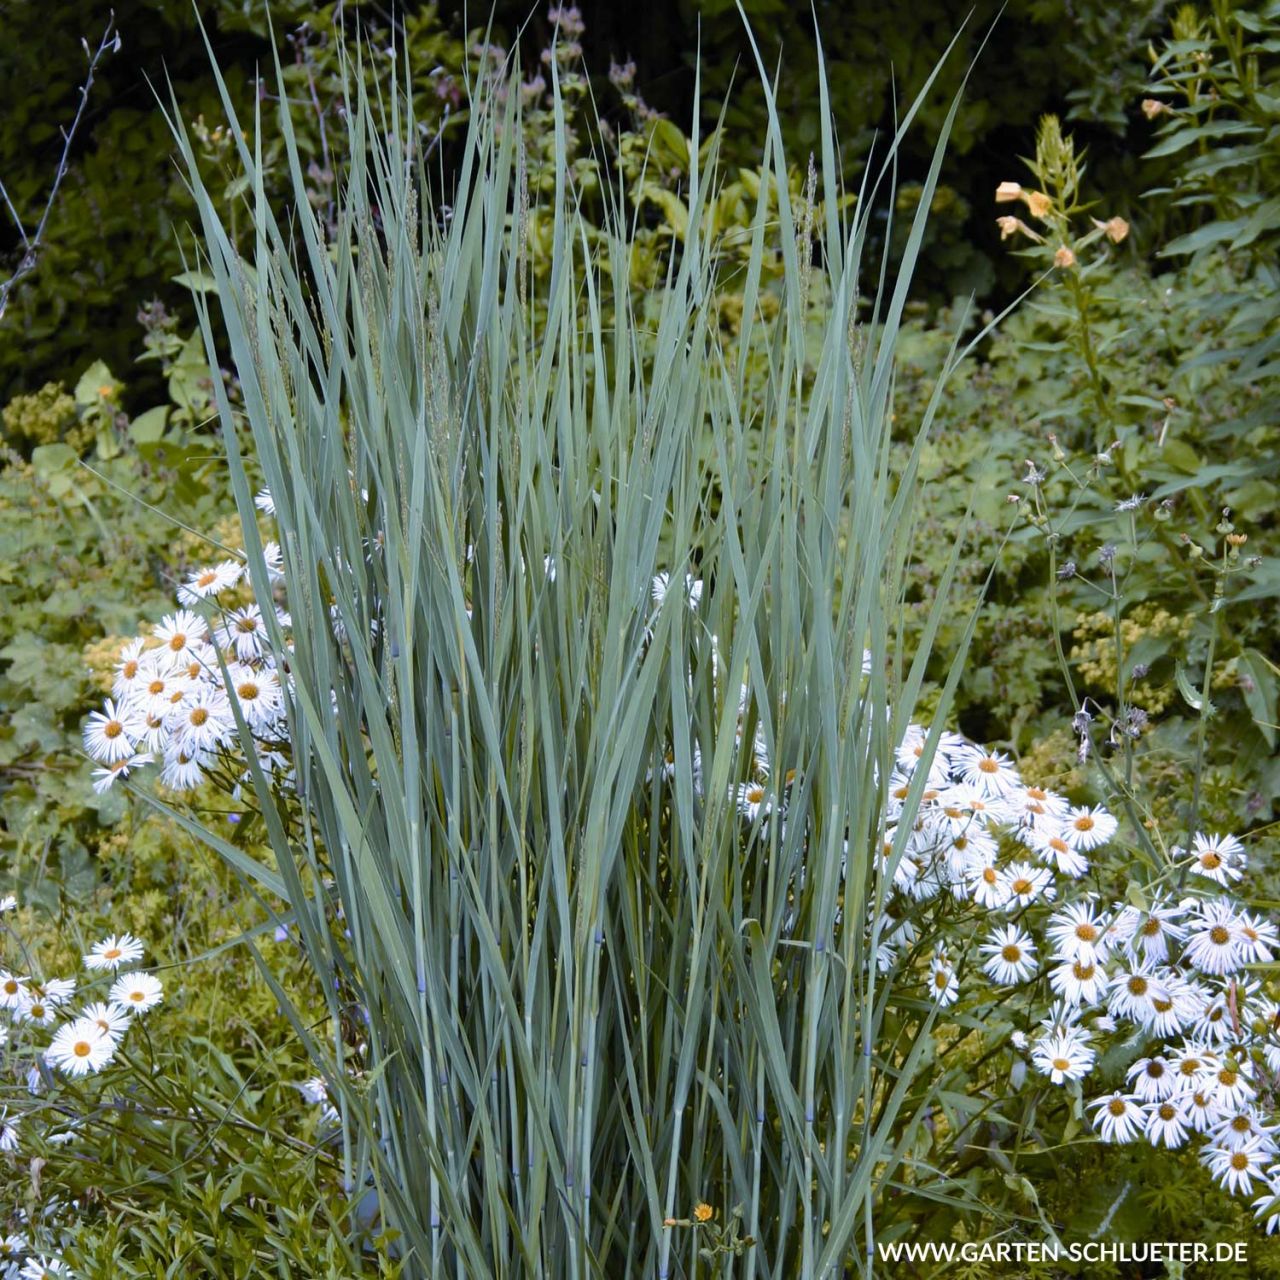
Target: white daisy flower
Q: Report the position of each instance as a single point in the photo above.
(80, 1047)
(1259, 938)
(1211, 1017)
(986, 886)
(1011, 956)
(1084, 828)
(44, 1268)
(109, 734)
(12, 989)
(1131, 992)
(273, 558)
(8, 903)
(316, 1091)
(265, 502)
(1192, 1065)
(1149, 933)
(1037, 807)
(180, 632)
(105, 776)
(1026, 883)
(751, 800)
(1218, 858)
(1063, 1056)
(136, 992)
(258, 692)
(692, 589)
(35, 1008)
(1237, 1127)
(1078, 982)
(201, 584)
(965, 808)
(113, 1020)
(990, 773)
(1214, 944)
(1231, 1088)
(203, 722)
(244, 632)
(1152, 1079)
(1118, 1118)
(129, 670)
(1267, 1205)
(8, 1130)
(944, 986)
(1236, 1171)
(1079, 932)
(184, 771)
(161, 688)
(114, 951)
(1203, 1111)
(1051, 847)
(1167, 1124)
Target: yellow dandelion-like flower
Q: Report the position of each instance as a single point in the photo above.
(703, 1212)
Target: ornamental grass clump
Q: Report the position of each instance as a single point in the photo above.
(590, 684)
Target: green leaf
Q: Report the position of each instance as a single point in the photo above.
(1258, 686)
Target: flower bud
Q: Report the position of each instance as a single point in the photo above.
(1064, 257)
(1008, 191)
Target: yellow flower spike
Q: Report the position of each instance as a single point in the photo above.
(1008, 191)
(1064, 257)
(703, 1212)
(1038, 204)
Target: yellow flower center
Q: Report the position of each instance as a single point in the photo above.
(82, 1049)
(112, 729)
(1116, 1106)
(1011, 953)
(1137, 986)
(1084, 823)
(1086, 932)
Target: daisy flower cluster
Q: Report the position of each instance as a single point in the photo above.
(73, 1029)
(175, 690)
(1165, 972)
(81, 1040)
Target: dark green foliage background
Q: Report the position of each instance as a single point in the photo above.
(114, 236)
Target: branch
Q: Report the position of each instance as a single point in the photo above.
(110, 43)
